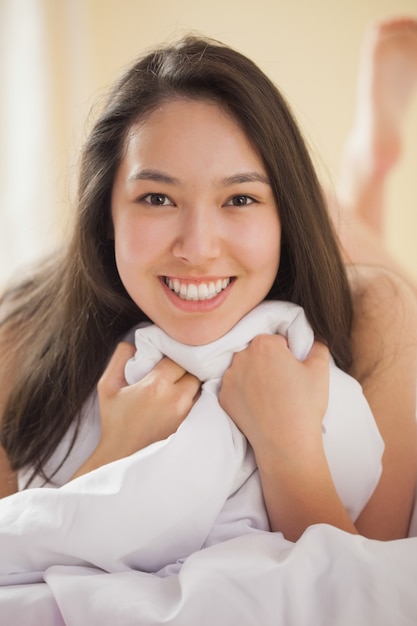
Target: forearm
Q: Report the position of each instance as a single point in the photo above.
(99, 457)
(299, 493)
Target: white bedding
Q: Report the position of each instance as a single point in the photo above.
(177, 533)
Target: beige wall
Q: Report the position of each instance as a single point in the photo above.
(75, 48)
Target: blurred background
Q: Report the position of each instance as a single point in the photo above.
(58, 57)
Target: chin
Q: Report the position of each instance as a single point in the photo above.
(197, 338)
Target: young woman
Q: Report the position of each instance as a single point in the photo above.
(198, 200)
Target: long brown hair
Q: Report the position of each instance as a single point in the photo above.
(61, 324)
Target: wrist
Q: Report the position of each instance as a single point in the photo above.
(302, 455)
(102, 455)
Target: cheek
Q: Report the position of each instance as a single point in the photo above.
(130, 248)
(141, 246)
(265, 249)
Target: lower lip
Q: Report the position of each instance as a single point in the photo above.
(196, 306)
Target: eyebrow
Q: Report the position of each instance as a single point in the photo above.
(245, 177)
(155, 175)
(162, 177)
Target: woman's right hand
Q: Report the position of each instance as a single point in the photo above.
(134, 416)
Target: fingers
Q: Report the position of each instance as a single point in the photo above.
(188, 384)
(191, 385)
(169, 370)
(113, 377)
(319, 350)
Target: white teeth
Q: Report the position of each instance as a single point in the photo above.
(202, 291)
(211, 290)
(192, 291)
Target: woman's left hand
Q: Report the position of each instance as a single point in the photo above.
(277, 401)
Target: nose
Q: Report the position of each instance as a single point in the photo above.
(198, 239)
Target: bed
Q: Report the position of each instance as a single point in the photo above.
(178, 533)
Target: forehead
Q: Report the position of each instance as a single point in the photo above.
(202, 130)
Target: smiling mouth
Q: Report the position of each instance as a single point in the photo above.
(197, 291)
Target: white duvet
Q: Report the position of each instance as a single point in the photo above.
(178, 534)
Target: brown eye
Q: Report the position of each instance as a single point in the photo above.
(157, 199)
(240, 201)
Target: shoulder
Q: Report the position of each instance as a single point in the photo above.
(384, 346)
(384, 323)
(373, 286)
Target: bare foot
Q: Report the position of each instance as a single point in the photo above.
(387, 79)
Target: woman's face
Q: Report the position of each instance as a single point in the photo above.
(196, 229)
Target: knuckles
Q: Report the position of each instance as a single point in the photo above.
(268, 343)
(170, 395)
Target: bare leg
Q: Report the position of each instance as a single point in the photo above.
(387, 80)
